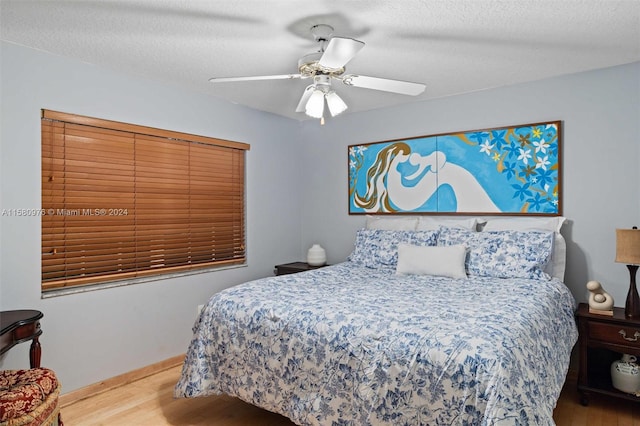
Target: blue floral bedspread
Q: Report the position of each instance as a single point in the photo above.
(350, 345)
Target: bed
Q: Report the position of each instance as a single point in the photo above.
(417, 327)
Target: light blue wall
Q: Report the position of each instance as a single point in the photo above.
(296, 192)
(600, 111)
(96, 335)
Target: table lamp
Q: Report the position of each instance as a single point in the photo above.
(628, 251)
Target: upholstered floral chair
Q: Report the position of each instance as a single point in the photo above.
(29, 397)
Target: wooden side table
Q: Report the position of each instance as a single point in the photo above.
(21, 326)
(294, 267)
(603, 339)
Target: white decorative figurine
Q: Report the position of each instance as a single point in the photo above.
(600, 301)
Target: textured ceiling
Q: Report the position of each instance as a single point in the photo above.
(452, 46)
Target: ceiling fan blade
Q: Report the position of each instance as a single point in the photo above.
(255, 78)
(339, 51)
(384, 84)
(305, 98)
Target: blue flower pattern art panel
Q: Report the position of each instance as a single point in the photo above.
(508, 170)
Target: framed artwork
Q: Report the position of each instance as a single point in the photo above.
(505, 170)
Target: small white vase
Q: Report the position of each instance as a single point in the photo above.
(316, 256)
(625, 374)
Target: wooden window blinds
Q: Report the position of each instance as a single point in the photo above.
(122, 201)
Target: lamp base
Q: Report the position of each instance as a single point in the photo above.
(632, 306)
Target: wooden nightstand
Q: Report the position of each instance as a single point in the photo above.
(292, 268)
(603, 339)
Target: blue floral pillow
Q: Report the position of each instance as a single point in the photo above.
(503, 254)
(378, 248)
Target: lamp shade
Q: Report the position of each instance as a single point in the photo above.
(628, 246)
(315, 106)
(335, 103)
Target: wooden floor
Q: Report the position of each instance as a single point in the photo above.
(149, 401)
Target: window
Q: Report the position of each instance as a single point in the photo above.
(122, 201)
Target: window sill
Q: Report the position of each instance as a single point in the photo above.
(120, 283)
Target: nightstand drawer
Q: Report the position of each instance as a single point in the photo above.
(613, 333)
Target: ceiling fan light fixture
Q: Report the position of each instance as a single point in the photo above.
(328, 65)
(315, 105)
(335, 103)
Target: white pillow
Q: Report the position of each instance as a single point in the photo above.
(406, 223)
(525, 224)
(558, 262)
(425, 260)
(556, 267)
(428, 223)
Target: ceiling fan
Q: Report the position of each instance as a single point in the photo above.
(326, 65)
